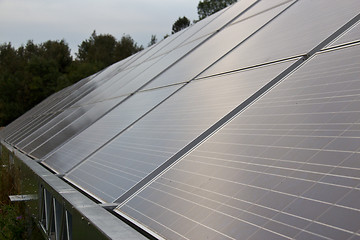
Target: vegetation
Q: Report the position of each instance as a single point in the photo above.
(153, 40)
(15, 222)
(207, 7)
(32, 72)
(180, 24)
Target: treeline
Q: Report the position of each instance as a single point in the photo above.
(32, 72)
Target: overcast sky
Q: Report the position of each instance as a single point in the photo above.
(75, 20)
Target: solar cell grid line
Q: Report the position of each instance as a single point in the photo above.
(168, 44)
(222, 42)
(56, 137)
(155, 81)
(352, 35)
(160, 67)
(183, 151)
(288, 36)
(26, 133)
(66, 118)
(198, 198)
(142, 141)
(40, 124)
(103, 78)
(248, 170)
(190, 50)
(12, 127)
(41, 108)
(136, 78)
(74, 96)
(217, 21)
(205, 27)
(89, 141)
(26, 130)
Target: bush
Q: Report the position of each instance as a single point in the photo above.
(15, 222)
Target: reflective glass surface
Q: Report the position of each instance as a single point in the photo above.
(87, 142)
(282, 169)
(46, 110)
(350, 36)
(296, 31)
(56, 136)
(220, 44)
(152, 140)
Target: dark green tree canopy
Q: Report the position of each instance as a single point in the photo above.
(125, 48)
(29, 74)
(153, 40)
(180, 24)
(32, 72)
(104, 50)
(207, 7)
(97, 49)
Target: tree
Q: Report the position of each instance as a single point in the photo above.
(98, 49)
(104, 50)
(125, 48)
(207, 7)
(30, 74)
(180, 24)
(153, 40)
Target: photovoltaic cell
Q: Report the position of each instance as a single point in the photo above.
(262, 176)
(65, 130)
(160, 64)
(289, 34)
(87, 142)
(138, 151)
(44, 112)
(52, 112)
(351, 36)
(155, 60)
(220, 43)
(156, 132)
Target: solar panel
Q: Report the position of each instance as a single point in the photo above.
(245, 125)
(294, 32)
(282, 169)
(113, 82)
(98, 134)
(59, 104)
(248, 21)
(138, 151)
(350, 36)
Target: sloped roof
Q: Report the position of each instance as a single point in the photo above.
(246, 125)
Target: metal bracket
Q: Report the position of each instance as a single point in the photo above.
(23, 198)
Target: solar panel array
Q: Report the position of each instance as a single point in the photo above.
(245, 125)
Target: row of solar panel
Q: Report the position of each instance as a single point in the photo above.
(288, 167)
(256, 174)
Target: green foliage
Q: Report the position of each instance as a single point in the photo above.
(32, 72)
(15, 222)
(29, 74)
(153, 40)
(98, 49)
(180, 24)
(207, 7)
(103, 50)
(11, 224)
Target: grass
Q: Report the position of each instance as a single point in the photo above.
(15, 221)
